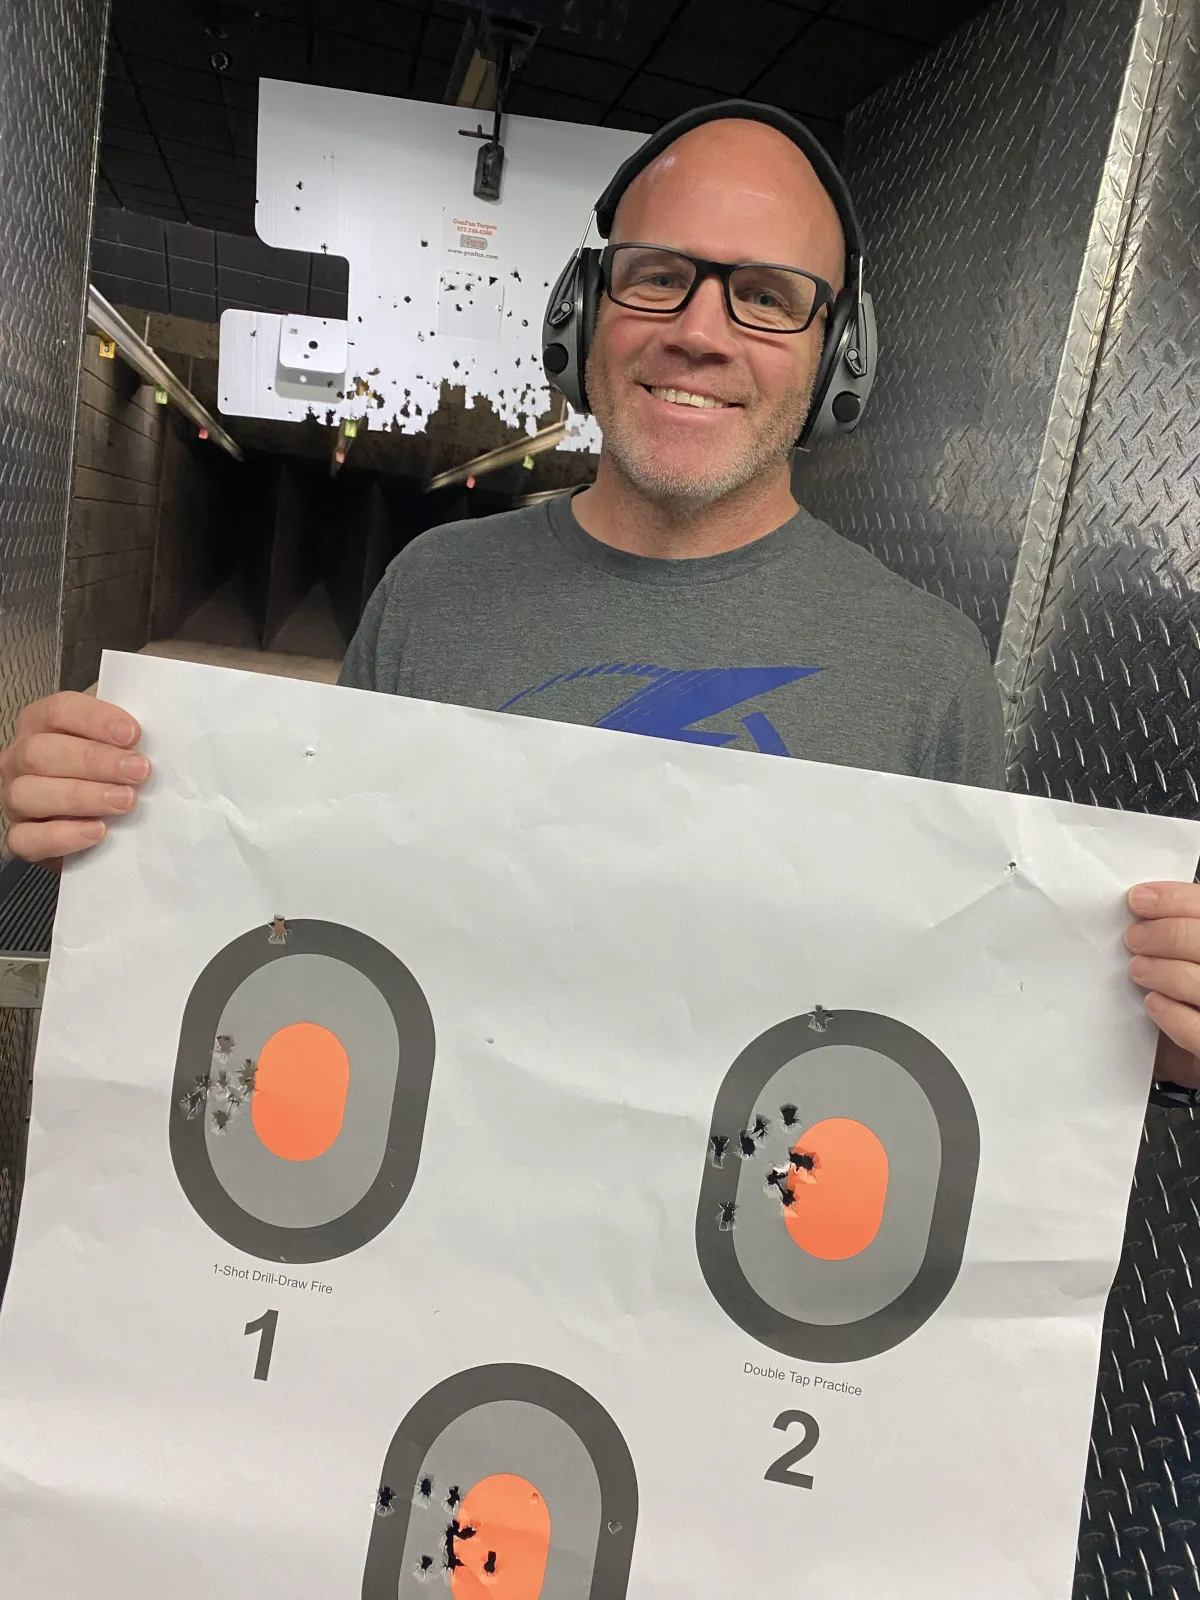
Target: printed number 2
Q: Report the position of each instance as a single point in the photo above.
(266, 1327)
(780, 1471)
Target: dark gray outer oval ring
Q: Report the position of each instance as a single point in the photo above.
(414, 1074)
(952, 1106)
(463, 1391)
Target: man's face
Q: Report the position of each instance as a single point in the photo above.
(727, 191)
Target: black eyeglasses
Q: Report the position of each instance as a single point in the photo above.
(758, 294)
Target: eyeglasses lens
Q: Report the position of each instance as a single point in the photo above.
(775, 299)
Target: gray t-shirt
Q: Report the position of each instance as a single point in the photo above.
(798, 644)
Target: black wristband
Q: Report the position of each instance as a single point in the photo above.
(1173, 1094)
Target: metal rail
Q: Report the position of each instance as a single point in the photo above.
(143, 359)
(504, 455)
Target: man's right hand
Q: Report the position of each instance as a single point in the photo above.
(71, 765)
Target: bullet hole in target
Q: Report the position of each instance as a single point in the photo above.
(841, 1228)
(301, 1082)
(523, 1486)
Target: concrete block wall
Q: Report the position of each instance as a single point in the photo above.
(114, 516)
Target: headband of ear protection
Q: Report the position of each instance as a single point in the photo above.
(848, 355)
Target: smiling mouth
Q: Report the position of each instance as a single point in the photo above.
(685, 397)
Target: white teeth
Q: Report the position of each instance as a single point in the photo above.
(683, 397)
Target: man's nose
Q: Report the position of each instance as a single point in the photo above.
(703, 327)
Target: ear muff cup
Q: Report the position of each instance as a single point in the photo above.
(838, 330)
(569, 324)
(558, 326)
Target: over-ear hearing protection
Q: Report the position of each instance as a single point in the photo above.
(848, 355)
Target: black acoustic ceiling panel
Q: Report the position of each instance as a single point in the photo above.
(195, 272)
(181, 94)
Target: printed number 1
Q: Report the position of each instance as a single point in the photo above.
(779, 1471)
(265, 1326)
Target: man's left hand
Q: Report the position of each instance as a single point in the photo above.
(1166, 944)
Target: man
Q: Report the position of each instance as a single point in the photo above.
(684, 594)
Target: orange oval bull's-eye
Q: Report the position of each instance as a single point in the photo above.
(300, 1087)
(505, 1557)
(839, 1203)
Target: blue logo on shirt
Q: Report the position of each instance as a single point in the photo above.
(669, 702)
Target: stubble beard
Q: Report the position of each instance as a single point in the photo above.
(671, 487)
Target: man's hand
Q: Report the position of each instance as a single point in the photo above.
(71, 764)
(1166, 942)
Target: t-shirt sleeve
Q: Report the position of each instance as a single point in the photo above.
(968, 746)
(360, 669)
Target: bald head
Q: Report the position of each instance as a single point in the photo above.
(744, 180)
(733, 191)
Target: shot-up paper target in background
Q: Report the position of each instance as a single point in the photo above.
(838, 1185)
(301, 1085)
(504, 1482)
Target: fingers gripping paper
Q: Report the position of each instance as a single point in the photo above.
(532, 1161)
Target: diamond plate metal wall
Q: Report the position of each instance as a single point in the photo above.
(1141, 1501)
(51, 59)
(976, 175)
(1109, 710)
(1108, 714)
(51, 62)
(1032, 200)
